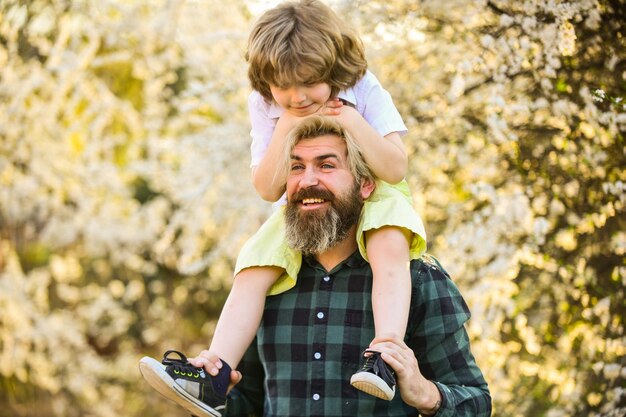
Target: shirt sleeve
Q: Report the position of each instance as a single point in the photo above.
(376, 105)
(247, 397)
(262, 127)
(438, 337)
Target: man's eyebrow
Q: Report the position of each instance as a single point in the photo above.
(326, 156)
(317, 158)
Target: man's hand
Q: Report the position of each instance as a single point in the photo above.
(212, 364)
(415, 390)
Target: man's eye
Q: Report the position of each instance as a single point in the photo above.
(328, 166)
(296, 167)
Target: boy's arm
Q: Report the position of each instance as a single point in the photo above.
(385, 156)
(264, 176)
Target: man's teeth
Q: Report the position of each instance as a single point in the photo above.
(312, 200)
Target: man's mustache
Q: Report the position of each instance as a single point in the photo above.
(312, 192)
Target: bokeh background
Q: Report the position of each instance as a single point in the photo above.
(125, 192)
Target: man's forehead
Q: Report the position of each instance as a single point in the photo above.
(321, 144)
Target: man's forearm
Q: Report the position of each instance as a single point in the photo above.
(443, 350)
(464, 392)
(462, 401)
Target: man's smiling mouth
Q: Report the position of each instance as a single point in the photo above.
(307, 201)
(312, 197)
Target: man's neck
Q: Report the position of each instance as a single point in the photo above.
(338, 253)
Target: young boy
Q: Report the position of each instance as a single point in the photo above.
(304, 61)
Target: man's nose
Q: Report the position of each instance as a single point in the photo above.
(309, 178)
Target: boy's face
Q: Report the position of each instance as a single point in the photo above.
(301, 100)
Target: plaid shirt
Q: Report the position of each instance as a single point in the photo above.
(311, 340)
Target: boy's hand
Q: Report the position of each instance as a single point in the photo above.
(212, 364)
(207, 360)
(331, 108)
(287, 121)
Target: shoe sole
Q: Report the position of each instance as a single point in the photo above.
(153, 372)
(372, 385)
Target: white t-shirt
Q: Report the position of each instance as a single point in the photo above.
(368, 96)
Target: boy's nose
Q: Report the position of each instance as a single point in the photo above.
(297, 95)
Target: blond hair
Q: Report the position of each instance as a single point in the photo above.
(316, 126)
(303, 43)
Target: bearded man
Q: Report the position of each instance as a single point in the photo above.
(309, 342)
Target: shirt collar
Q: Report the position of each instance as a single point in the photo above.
(348, 95)
(353, 261)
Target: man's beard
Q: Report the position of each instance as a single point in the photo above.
(313, 232)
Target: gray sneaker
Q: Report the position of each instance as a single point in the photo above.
(192, 388)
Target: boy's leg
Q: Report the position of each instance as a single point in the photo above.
(242, 312)
(388, 254)
(184, 380)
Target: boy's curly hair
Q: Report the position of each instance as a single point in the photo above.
(303, 43)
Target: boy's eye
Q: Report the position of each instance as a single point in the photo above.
(327, 166)
(296, 167)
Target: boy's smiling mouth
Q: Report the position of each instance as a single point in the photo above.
(302, 109)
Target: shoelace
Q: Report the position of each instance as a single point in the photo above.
(169, 361)
(181, 366)
(370, 361)
(376, 362)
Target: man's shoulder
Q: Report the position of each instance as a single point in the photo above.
(427, 267)
(436, 301)
(431, 282)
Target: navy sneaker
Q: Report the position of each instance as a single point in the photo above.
(375, 377)
(193, 388)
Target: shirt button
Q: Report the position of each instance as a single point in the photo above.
(320, 315)
(316, 397)
(317, 355)
(326, 279)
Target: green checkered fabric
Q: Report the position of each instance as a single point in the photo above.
(312, 336)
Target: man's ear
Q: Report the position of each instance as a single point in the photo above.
(368, 186)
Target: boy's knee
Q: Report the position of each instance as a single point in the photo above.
(388, 239)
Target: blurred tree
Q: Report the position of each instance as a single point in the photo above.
(120, 138)
(519, 167)
(124, 198)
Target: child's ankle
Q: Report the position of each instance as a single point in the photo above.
(388, 335)
(221, 381)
